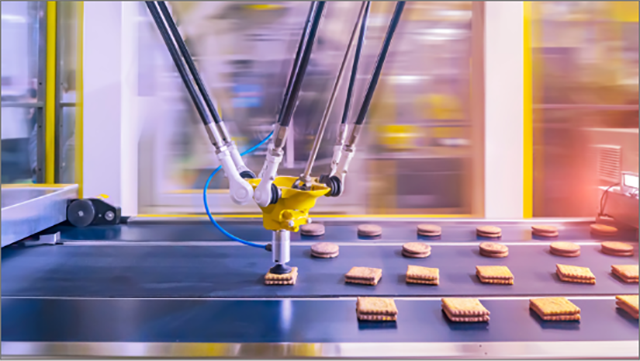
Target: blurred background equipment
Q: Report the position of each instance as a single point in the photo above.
(585, 90)
(585, 111)
(418, 141)
(169, 284)
(23, 62)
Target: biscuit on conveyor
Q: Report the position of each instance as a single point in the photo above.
(465, 310)
(325, 250)
(429, 230)
(312, 229)
(493, 250)
(423, 275)
(363, 275)
(555, 309)
(284, 279)
(489, 231)
(416, 250)
(629, 303)
(369, 230)
(544, 231)
(627, 273)
(376, 309)
(617, 249)
(575, 274)
(500, 275)
(564, 249)
(603, 230)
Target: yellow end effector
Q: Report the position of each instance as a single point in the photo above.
(292, 209)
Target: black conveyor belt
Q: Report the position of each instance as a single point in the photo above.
(65, 320)
(148, 271)
(336, 231)
(181, 289)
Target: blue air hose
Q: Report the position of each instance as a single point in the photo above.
(206, 205)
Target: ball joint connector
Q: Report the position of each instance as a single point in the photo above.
(247, 174)
(334, 183)
(303, 183)
(276, 193)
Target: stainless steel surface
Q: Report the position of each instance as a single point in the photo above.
(281, 247)
(22, 104)
(213, 134)
(42, 98)
(224, 132)
(360, 218)
(355, 133)
(622, 207)
(489, 350)
(280, 136)
(332, 97)
(307, 243)
(57, 98)
(27, 211)
(50, 239)
(342, 134)
(425, 298)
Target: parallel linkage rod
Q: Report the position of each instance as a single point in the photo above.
(189, 61)
(373, 82)
(354, 67)
(287, 112)
(175, 56)
(362, 18)
(296, 62)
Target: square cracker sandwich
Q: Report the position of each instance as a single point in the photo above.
(423, 275)
(363, 275)
(575, 274)
(376, 309)
(284, 279)
(555, 309)
(628, 303)
(465, 310)
(627, 273)
(494, 274)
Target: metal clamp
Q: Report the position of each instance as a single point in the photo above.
(280, 253)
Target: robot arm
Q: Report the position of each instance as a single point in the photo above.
(292, 208)
(305, 181)
(241, 192)
(345, 148)
(266, 192)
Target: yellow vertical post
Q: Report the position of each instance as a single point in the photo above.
(79, 96)
(527, 202)
(51, 88)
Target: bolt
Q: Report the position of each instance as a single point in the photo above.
(291, 223)
(109, 216)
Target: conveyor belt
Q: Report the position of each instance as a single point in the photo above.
(148, 271)
(336, 231)
(182, 289)
(334, 321)
(287, 320)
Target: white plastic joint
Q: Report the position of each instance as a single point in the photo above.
(262, 194)
(240, 190)
(237, 159)
(343, 163)
(337, 155)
